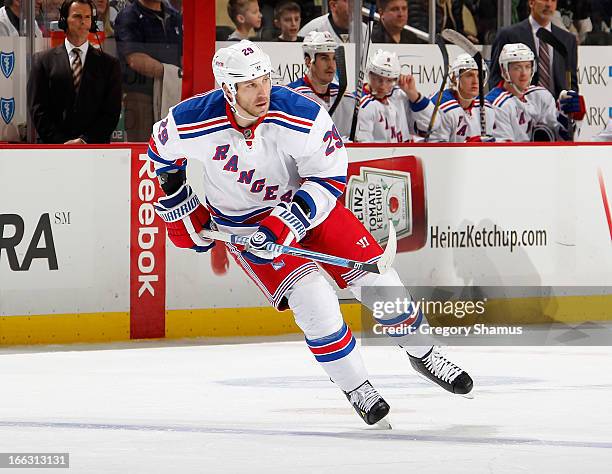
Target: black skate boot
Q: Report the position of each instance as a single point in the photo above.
(368, 403)
(438, 369)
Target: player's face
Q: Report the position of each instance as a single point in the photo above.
(468, 83)
(396, 14)
(79, 23)
(254, 96)
(520, 73)
(380, 86)
(324, 68)
(543, 10)
(289, 24)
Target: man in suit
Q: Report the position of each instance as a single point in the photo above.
(551, 66)
(74, 90)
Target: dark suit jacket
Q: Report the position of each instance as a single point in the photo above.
(58, 114)
(521, 33)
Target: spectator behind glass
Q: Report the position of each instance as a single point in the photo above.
(602, 15)
(51, 10)
(103, 9)
(9, 19)
(393, 18)
(74, 90)
(246, 16)
(337, 22)
(39, 18)
(575, 17)
(485, 13)
(459, 15)
(287, 18)
(148, 34)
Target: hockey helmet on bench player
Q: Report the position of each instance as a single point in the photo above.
(514, 53)
(385, 64)
(465, 62)
(318, 42)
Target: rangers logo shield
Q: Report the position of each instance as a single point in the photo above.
(7, 63)
(7, 109)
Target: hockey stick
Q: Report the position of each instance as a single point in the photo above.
(466, 45)
(442, 45)
(546, 36)
(342, 83)
(381, 266)
(362, 68)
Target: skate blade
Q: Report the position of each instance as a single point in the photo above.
(383, 424)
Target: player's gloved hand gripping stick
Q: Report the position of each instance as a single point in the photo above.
(287, 223)
(381, 266)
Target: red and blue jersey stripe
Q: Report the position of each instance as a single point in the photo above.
(334, 184)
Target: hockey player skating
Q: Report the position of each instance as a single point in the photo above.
(459, 112)
(274, 167)
(319, 56)
(529, 113)
(393, 110)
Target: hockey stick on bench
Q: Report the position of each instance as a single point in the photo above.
(381, 266)
(444, 52)
(342, 81)
(362, 71)
(466, 45)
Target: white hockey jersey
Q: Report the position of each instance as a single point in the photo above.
(457, 124)
(343, 115)
(393, 119)
(248, 171)
(516, 117)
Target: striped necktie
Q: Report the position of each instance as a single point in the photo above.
(544, 78)
(77, 68)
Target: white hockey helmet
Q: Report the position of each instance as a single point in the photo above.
(385, 63)
(239, 62)
(318, 42)
(515, 52)
(462, 63)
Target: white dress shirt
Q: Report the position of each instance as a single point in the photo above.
(83, 48)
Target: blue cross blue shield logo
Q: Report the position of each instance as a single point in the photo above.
(7, 63)
(7, 109)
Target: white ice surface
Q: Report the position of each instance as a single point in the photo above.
(268, 407)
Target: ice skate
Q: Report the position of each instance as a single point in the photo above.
(438, 369)
(370, 406)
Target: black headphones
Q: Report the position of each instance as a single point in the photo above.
(63, 18)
